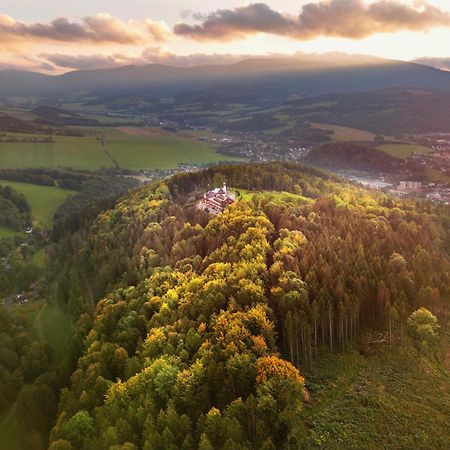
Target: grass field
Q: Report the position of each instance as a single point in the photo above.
(403, 150)
(387, 400)
(67, 151)
(7, 232)
(131, 147)
(437, 176)
(151, 148)
(267, 196)
(54, 326)
(44, 200)
(40, 259)
(343, 134)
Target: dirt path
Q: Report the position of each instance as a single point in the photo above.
(108, 153)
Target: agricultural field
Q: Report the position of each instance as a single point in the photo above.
(403, 150)
(344, 134)
(44, 200)
(85, 153)
(130, 147)
(153, 148)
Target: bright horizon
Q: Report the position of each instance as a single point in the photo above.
(57, 38)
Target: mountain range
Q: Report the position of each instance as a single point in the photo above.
(278, 78)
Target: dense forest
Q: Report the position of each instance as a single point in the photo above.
(15, 212)
(200, 331)
(194, 331)
(355, 156)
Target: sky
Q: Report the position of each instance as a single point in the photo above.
(55, 36)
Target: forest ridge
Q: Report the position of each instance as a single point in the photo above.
(194, 331)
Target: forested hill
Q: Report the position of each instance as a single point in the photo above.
(194, 329)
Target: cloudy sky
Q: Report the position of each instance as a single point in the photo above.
(56, 36)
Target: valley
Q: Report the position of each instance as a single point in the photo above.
(249, 255)
(244, 312)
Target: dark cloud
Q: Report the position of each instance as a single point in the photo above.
(352, 19)
(438, 63)
(100, 29)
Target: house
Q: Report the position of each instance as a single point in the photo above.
(217, 200)
(409, 186)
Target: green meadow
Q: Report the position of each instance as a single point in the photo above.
(130, 147)
(66, 151)
(6, 232)
(53, 327)
(343, 134)
(437, 176)
(390, 399)
(403, 150)
(150, 148)
(44, 201)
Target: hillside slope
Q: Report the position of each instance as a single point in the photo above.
(206, 327)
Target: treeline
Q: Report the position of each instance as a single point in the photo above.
(15, 211)
(291, 177)
(97, 191)
(64, 178)
(96, 194)
(303, 134)
(54, 116)
(33, 176)
(40, 125)
(183, 348)
(14, 124)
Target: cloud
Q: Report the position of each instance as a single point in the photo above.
(98, 29)
(353, 19)
(160, 55)
(89, 62)
(438, 63)
(151, 55)
(27, 63)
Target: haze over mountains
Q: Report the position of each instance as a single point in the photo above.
(280, 77)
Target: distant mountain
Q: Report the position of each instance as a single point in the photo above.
(270, 78)
(391, 111)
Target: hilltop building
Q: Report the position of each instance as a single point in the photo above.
(217, 200)
(410, 185)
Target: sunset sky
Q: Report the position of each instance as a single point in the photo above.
(55, 36)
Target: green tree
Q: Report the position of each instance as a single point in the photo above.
(423, 328)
